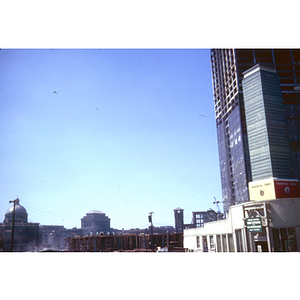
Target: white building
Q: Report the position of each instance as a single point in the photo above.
(262, 224)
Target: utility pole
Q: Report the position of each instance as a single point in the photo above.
(13, 225)
(150, 220)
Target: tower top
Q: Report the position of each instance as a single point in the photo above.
(256, 68)
(178, 208)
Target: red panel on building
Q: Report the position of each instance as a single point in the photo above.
(287, 189)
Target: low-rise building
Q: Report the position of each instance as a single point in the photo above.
(201, 217)
(262, 224)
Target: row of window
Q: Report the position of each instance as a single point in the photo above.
(223, 242)
(284, 240)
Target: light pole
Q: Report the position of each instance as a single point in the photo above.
(150, 220)
(13, 225)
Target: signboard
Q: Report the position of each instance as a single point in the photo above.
(262, 189)
(273, 188)
(254, 225)
(287, 189)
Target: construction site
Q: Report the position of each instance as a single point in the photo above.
(165, 242)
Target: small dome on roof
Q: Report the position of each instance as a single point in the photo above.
(20, 213)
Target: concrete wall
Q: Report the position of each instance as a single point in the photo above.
(285, 213)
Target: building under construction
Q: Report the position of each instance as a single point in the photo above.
(126, 243)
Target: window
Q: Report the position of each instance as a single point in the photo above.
(198, 241)
(219, 247)
(239, 241)
(212, 244)
(231, 243)
(224, 240)
(204, 242)
(284, 239)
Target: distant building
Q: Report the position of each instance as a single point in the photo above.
(53, 237)
(178, 215)
(26, 235)
(35, 237)
(95, 222)
(201, 217)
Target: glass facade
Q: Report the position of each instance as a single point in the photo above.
(267, 133)
(228, 66)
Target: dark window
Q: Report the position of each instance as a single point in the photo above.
(204, 241)
(231, 243)
(219, 248)
(224, 243)
(239, 241)
(284, 239)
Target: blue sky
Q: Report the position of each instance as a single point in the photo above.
(123, 131)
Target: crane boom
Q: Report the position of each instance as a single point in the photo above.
(217, 203)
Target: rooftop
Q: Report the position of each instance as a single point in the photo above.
(96, 212)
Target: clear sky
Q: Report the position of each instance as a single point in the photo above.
(126, 132)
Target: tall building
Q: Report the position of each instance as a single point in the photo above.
(228, 66)
(267, 133)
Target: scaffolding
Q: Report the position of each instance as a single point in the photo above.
(125, 243)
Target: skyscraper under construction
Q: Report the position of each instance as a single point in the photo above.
(228, 66)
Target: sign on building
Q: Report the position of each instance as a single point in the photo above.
(254, 225)
(273, 188)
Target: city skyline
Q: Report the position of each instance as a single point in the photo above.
(125, 132)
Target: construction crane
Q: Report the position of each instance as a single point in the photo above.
(217, 203)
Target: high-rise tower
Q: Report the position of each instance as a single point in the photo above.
(267, 133)
(228, 66)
